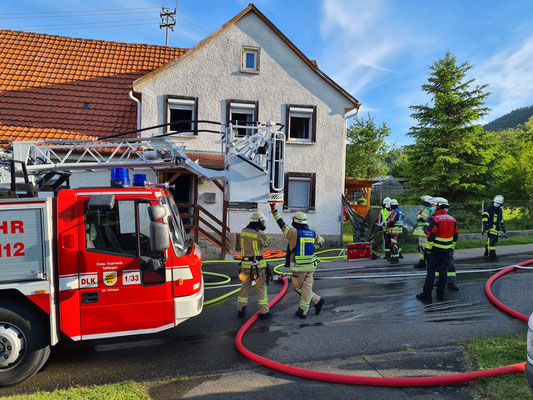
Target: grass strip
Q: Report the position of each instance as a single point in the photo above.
(495, 352)
(127, 390)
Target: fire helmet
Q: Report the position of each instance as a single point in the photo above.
(300, 218)
(439, 201)
(498, 199)
(394, 202)
(258, 217)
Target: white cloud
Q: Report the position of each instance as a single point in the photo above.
(363, 39)
(509, 75)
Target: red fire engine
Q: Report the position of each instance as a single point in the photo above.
(103, 262)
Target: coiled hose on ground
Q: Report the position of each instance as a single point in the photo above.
(392, 382)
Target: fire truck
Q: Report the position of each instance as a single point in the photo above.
(104, 262)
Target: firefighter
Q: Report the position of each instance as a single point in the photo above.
(395, 227)
(442, 236)
(253, 267)
(303, 242)
(421, 229)
(382, 217)
(493, 225)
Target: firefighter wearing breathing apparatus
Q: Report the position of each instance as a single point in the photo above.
(442, 235)
(421, 229)
(394, 224)
(253, 267)
(382, 218)
(303, 242)
(493, 224)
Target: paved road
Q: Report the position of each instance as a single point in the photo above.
(370, 326)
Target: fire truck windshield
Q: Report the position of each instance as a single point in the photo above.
(177, 232)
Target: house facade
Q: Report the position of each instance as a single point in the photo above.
(213, 82)
(247, 70)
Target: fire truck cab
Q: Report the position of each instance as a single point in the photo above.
(91, 263)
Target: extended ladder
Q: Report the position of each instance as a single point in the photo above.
(253, 164)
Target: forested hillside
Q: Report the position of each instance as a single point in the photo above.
(510, 120)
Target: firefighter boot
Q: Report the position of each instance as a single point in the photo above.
(300, 313)
(452, 283)
(242, 313)
(318, 306)
(264, 316)
(421, 264)
(423, 297)
(394, 260)
(387, 254)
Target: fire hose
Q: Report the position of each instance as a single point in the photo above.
(392, 382)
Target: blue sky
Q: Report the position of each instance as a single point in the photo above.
(378, 50)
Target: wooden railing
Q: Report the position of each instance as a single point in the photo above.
(217, 232)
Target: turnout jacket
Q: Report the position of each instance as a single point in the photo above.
(252, 244)
(422, 222)
(493, 220)
(302, 245)
(443, 232)
(395, 222)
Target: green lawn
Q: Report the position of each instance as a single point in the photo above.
(118, 391)
(498, 352)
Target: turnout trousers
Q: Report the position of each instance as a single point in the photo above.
(422, 247)
(302, 283)
(490, 246)
(436, 262)
(386, 244)
(260, 284)
(395, 245)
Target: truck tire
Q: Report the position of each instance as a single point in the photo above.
(24, 344)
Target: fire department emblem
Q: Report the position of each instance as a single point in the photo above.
(110, 278)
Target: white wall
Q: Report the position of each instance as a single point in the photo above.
(213, 75)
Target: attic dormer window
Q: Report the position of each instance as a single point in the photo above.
(250, 59)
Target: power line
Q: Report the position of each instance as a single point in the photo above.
(74, 15)
(168, 20)
(81, 11)
(80, 23)
(99, 27)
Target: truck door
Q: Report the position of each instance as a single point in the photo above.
(117, 296)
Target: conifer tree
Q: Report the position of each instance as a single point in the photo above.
(452, 156)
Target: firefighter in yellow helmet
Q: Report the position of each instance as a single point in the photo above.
(253, 267)
(382, 218)
(421, 229)
(493, 224)
(303, 242)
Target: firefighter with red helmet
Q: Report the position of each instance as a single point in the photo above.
(493, 224)
(442, 236)
(395, 227)
(303, 242)
(382, 218)
(253, 266)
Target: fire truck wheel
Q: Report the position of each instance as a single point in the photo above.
(24, 344)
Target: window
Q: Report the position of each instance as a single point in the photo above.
(112, 230)
(250, 59)
(179, 112)
(300, 191)
(242, 112)
(301, 123)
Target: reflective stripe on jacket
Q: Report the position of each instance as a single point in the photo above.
(252, 243)
(395, 221)
(493, 220)
(443, 232)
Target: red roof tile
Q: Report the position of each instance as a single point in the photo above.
(45, 81)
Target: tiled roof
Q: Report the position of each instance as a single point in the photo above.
(208, 160)
(54, 87)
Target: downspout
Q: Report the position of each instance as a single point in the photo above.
(136, 100)
(347, 115)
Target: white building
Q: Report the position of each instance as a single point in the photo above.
(249, 70)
